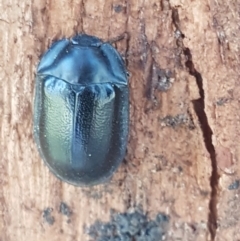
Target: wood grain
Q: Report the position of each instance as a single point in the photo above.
(183, 151)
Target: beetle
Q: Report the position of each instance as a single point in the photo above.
(81, 110)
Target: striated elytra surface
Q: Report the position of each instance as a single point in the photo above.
(81, 110)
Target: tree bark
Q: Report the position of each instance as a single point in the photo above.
(183, 153)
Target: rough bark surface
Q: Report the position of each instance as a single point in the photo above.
(183, 152)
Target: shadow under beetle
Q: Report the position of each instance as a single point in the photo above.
(81, 110)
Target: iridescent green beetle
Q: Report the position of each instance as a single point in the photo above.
(81, 110)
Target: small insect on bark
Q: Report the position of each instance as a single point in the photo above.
(81, 110)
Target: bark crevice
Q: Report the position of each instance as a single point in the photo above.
(199, 107)
(82, 10)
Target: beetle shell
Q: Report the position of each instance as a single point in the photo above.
(81, 110)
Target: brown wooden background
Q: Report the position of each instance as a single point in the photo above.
(183, 152)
